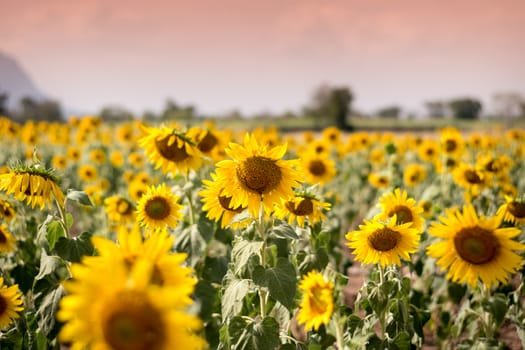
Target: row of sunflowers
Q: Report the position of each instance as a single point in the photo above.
(134, 236)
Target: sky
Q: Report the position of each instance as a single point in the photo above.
(265, 56)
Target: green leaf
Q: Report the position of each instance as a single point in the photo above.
(75, 248)
(80, 197)
(281, 281)
(54, 232)
(233, 296)
(48, 308)
(69, 220)
(402, 341)
(499, 308)
(285, 231)
(456, 291)
(242, 252)
(48, 265)
(254, 334)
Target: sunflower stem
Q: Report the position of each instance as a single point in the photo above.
(339, 332)
(187, 194)
(486, 318)
(63, 221)
(382, 313)
(263, 294)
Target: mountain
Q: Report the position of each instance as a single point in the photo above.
(16, 82)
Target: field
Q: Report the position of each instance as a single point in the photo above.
(224, 235)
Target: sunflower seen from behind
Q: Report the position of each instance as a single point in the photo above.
(10, 304)
(383, 243)
(158, 208)
(317, 302)
(256, 175)
(473, 248)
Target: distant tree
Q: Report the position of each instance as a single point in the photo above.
(465, 108)
(332, 103)
(436, 109)
(172, 110)
(3, 104)
(31, 109)
(115, 114)
(509, 105)
(389, 112)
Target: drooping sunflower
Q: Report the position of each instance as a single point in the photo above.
(300, 208)
(111, 307)
(34, 184)
(414, 174)
(256, 174)
(217, 206)
(405, 209)
(474, 248)
(170, 149)
(119, 209)
(513, 210)
(384, 243)
(318, 169)
(317, 303)
(10, 304)
(158, 208)
(7, 241)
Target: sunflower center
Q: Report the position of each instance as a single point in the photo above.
(134, 324)
(319, 149)
(225, 203)
(472, 176)
(382, 180)
(317, 167)
(124, 207)
(430, 152)
(491, 166)
(157, 208)
(207, 143)
(305, 207)
(171, 151)
(384, 239)
(517, 209)
(403, 214)
(450, 162)
(259, 174)
(3, 305)
(476, 245)
(3, 240)
(450, 145)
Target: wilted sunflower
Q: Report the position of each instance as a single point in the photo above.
(256, 174)
(473, 247)
(119, 209)
(317, 303)
(171, 150)
(384, 243)
(158, 208)
(317, 168)
(405, 209)
(414, 174)
(7, 241)
(10, 304)
(7, 211)
(32, 183)
(513, 210)
(217, 206)
(301, 207)
(111, 307)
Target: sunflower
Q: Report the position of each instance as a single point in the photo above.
(318, 169)
(428, 151)
(158, 208)
(473, 247)
(405, 209)
(470, 177)
(136, 190)
(116, 158)
(113, 307)
(171, 150)
(59, 162)
(317, 303)
(6, 210)
(452, 142)
(10, 304)
(301, 207)
(210, 142)
(256, 174)
(217, 206)
(32, 183)
(97, 156)
(414, 174)
(378, 180)
(87, 173)
(7, 241)
(119, 209)
(383, 243)
(73, 153)
(513, 210)
(136, 160)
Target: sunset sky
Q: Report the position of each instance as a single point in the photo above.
(259, 56)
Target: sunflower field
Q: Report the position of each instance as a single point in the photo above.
(135, 236)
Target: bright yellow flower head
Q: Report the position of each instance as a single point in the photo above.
(119, 209)
(406, 210)
(10, 304)
(255, 175)
(301, 208)
(317, 303)
(7, 241)
(474, 248)
(158, 208)
(513, 210)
